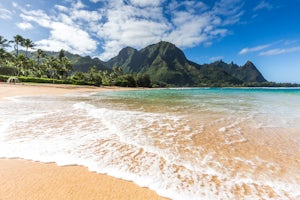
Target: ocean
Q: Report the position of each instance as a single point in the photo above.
(184, 143)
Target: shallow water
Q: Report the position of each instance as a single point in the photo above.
(182, 143)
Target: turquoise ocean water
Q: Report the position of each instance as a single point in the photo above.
(184, 143)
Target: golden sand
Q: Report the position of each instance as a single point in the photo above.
(21, 179)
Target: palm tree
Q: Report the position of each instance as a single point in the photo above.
(65, 64)
(21, 62)
(94, 76)
(52, 65)
(61, 54)
(4, 42)
(65, 67)
(106, 79)
(3, 54)
(19, 40)
(28, 44)
(40, 54)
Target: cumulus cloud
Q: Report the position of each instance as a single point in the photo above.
(115, 24)
(64, 28)
(25, 25)
(144, 3)
(184, 23)
(254, 49)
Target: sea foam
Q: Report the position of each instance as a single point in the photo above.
(153, 149)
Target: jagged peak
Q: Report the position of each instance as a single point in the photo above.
(249, 63)
(128, 49)
(162, 45)
(166, 43)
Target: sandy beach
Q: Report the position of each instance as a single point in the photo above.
(22, 179)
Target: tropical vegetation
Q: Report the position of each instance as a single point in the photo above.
(42, 67)
(157, 65)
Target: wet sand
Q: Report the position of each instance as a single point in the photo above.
(9, 90)
(22, 179)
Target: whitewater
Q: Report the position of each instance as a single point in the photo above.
(184, 143)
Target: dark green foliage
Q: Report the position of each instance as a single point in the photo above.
(143, 80)
(129, 59)
(249, 73)
(83, 64)
(245, 73)
(213, 76)
(9, 71)
(4, 78)
(94, 76)
(127, 80)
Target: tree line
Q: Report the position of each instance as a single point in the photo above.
(40, 67)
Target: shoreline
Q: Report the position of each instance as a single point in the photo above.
(36, 89)
(25, 179)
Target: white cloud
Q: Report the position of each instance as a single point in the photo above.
(270, 49)
(184, 23)
(144, 3)
(61, 8)
(37, 16)
(289, 42)
(230, 10)
(128, 25)
(24, 25)
(279, 51)
(5, 14)
(65, 31)
(263, 5)
(85, 15)
(254, 49)
(14, 4)
(136, 23)
(78, 5)
(52, 45)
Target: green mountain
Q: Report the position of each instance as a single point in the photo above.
(83, 64)
(167, 64)
(128, 58)
(163, 62)
(245, 73)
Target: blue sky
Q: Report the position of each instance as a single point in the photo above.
(266, 32)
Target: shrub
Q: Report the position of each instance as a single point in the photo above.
(9, 71)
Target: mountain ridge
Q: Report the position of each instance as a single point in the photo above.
(166, 64)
